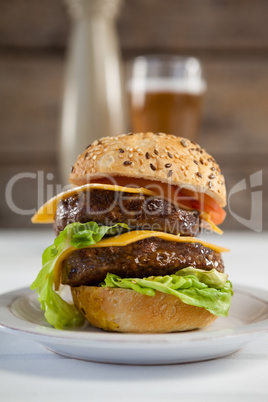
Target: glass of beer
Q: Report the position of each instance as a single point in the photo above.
(165, 94)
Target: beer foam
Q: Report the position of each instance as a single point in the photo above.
(189, 86)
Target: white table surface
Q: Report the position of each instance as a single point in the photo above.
(29, 372)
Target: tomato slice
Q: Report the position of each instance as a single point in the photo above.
(189, 199)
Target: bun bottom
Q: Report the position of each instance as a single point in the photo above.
(124, 310)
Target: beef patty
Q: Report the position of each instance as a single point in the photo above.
(151, 256)
(139, 211)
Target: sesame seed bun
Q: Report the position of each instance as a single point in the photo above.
(124, 310)
(161, 157)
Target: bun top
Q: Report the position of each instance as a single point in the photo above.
(161, 157)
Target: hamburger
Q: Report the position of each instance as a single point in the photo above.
(126, 238)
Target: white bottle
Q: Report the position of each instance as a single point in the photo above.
(93, 98)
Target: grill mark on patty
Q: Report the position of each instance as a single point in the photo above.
(153, 256)
(139, 211)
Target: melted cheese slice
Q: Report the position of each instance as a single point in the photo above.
(206, 217)
(128, 238)
(137, 235)
(46, 213)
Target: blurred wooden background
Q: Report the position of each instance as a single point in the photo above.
(230, 37)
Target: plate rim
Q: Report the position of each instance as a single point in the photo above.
(115, 337)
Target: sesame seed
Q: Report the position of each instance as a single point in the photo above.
(170, 173)
(126, 163)
(72, 169)
(196, 162)
(130, 156)
(95, 142)
(152, 166)
(168, 165)
(170, 155)
(138, 150)
(212, 168)
(201, 161)
(210, 184)
(88, 146)
(184, 143)
(130, 149)
(182, 168)
(156, 152)
(121, 150)
(211, 176)
(199, 174)
(142, 170)
(147, 155)
(94, 157)
(86, 155)
(121, 156)
(187, 167)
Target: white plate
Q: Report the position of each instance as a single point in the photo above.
(20, 314)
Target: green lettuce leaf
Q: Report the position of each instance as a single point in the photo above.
(210, 290)
(211, 278)
(58, 312)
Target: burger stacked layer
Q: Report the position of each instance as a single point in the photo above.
(126, 238)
